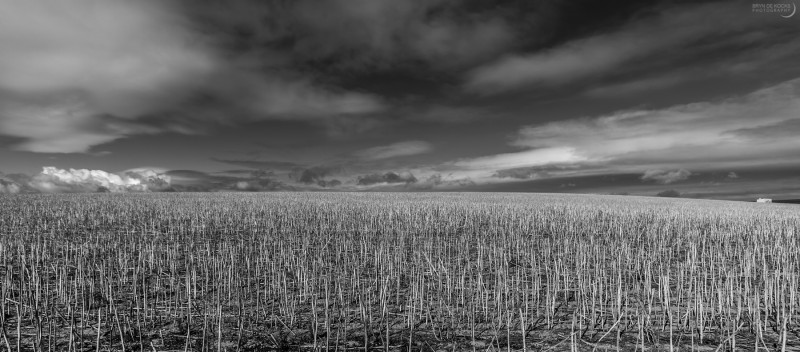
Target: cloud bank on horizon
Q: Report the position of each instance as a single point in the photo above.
(55, 180)
(245, 95)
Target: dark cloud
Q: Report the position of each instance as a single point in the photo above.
(386, 178)
(522, 173)
(260, 185)
(374, 35)
(255, 180)
(344, 127)
(398, 149)
(451, 114)
(669, 193)
(666, 176)
(197, 181)
(699, 30)
(544, 171)
(358, 34)
(189, 174)
(252, 173)
(314, 174)
(264, 165)
(329, 183)
(555, 170)
(445, 182)
(309, 176)
(435, 179)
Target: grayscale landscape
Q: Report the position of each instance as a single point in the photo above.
(399, 175)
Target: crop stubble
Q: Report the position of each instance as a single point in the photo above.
(396, 271)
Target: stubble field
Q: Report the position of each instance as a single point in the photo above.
(396, 271)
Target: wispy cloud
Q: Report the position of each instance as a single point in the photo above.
(488, 166)
(645, 39)
(63, 125)
(698, 135)
(398, 149)
(661, 144)
(639, 85)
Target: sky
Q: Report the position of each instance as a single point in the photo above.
(691, 98)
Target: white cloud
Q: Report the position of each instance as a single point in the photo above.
(484, 168)
(562, 64)
(526, 158)
(62, 126)
(65, 64)
(54, 180)
(663, 144)
(395, 150)
(666, 176)
(9, 187)
(698, 135)
(124, 55)
(81, 73)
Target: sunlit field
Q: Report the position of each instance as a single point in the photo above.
(361, 271)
